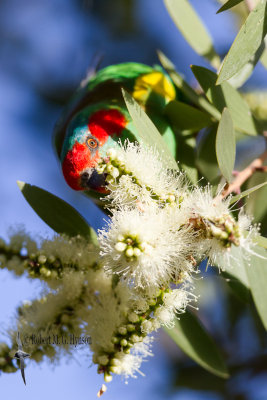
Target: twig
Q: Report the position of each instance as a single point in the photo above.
(242, 176)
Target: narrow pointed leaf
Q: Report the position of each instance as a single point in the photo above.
(206, 160)
(246, 43)
(193, 29)
(236, 275)
(246, 71)
(192, 338)
(256, 203)
(263, 58)
(186, 117)
(261, 241)
(225, 95)
(56, 213)
(225, 145)
(148, 133)
(236, 198)
(187, 157)
(229, 4)
(236, 268)
(257, 276)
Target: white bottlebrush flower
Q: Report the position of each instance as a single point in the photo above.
(128, 365)
(218, 232)
(201, 202)
(177, 299)
(70, 251)
(135, 172)
(20, 239)
(144, 249)
(105, 313)
(174, 302)
(147, 326)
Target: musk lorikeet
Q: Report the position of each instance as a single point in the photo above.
(97, 118)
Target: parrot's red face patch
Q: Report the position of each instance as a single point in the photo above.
(80, 162)
(105, 123)
(77, 160)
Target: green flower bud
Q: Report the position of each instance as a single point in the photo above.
(107, 377)
(133, 317)
(115, 362)
(54, 275)
(134, 338)
(42, 259)
(120, 246)
(115, 369)
(103, 360)
(123, 342)
(129, 252)
(122, 330)
(130, 327)
(137, 252)
(43, 271)
(115, 340)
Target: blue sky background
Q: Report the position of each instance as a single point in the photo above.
(48, 44)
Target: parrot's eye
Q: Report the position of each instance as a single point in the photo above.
(92, 143)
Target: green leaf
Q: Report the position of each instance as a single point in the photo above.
(190, 335)
(237, 267)
(236, 275)
(261, 241)
(257, 276)
(225, 95)
(148, 133)
(247, 42)
(186, 89)
(186, 155)
(196, 378)
(245, 72)
(229, 4)
(187, 158)
(263, 58)
(206, 157)
(225, 145)
(56, 213)
(186, 117)
(256, 204)
(236, 198)
(193, 29)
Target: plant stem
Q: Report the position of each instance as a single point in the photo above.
(242, 176)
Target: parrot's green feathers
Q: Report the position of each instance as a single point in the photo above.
(119, 73)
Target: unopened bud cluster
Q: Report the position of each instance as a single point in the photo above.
(112, 165)
(224, 228)
(37, 264)
(131, 246)
(127, 335)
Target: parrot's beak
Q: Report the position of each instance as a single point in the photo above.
(92, 180)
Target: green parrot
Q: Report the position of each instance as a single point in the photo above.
(97, 119)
